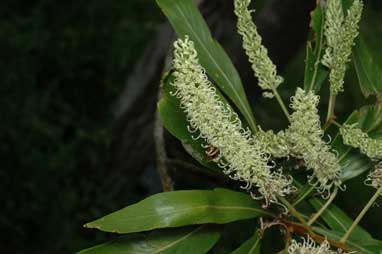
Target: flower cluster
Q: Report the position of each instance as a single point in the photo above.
(262, 65)
(374, 179)
(274, 144)
(240, 155)
(340, 33)
(305, 141)
(309, 246)
(355, 137)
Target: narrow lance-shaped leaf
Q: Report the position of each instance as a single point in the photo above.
(251, 246)
(190, 240)
(368, 71)
(339, 221)
(371, 246)
(181, 208)
(187, 20)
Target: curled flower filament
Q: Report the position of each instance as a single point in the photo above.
(309, 246)
(305, 138)
(234, 148)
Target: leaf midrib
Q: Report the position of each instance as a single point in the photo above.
(254, 246)
(179, 240)
(177, 211)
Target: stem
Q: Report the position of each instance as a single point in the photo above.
(332, 103)
(361, 215)
(318, 54)
(296, 214)
(337, 124)
(282, 105)
(324, 207)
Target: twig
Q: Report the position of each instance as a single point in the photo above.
(281, 103)
(296, 213)
(332, 104)
(323, 208)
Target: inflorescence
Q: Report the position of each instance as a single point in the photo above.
(340, 34)
(305, 138)
(240, 155)
(309, 246)
(245, 156)
(262, 65)
(355, 137)
(275, 144)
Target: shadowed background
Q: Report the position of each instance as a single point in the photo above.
(79, 85)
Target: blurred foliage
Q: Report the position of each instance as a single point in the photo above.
(62, 65)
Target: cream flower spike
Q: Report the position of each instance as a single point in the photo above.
(274, 144)
(305, 141)
(262, 65)
(309, 246)
(240, 155)
(340, 34)
(355, 137)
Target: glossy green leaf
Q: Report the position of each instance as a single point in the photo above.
(369, 72)
(339, 221)
(190, 240)
(315, 72)
(181, 208)
(370, 119)
(187, 20)
(251, 246)
(371, 246)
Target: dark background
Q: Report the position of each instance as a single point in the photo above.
(79, 83)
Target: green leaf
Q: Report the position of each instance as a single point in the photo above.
(371, 246)
(187, 20)
(190, 240)
(315, 72)
(368, 71)
(181, 208)
(175, 121)
(339, 221)
(251, 246)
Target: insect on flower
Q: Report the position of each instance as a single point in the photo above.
(212, 153)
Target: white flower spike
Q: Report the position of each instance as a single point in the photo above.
(309, 246)
(355, 137)
(340, 34)
(274, 144)
(240, 154)
(305, 141)
(262, 65)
